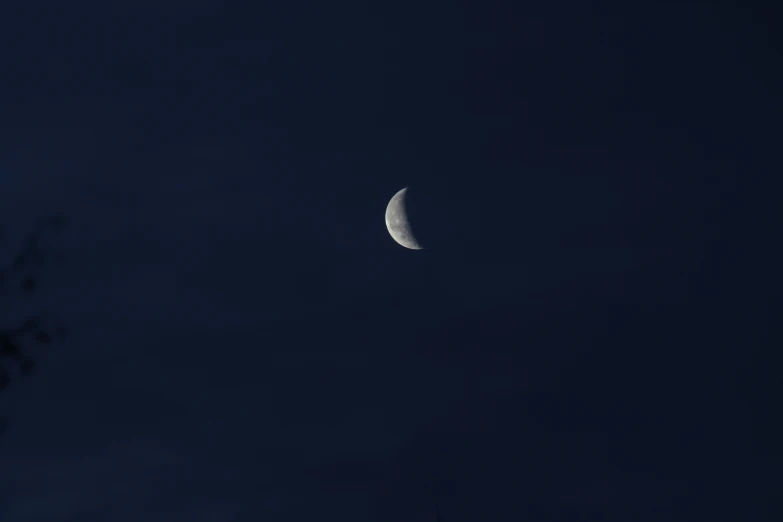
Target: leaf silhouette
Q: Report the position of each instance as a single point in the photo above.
(28, 285)
(19, 274)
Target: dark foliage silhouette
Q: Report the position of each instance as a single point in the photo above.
(19, 265)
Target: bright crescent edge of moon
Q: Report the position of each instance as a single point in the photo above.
(397, 221)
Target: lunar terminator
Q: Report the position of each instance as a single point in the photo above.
(397, 222)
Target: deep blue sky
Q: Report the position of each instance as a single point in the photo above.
(585, 337)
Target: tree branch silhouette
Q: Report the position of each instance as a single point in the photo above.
(18, 276)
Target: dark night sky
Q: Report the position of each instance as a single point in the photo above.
(586, 336)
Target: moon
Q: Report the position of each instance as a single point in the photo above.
(397, 221)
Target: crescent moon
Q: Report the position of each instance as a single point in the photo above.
(397, 221)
